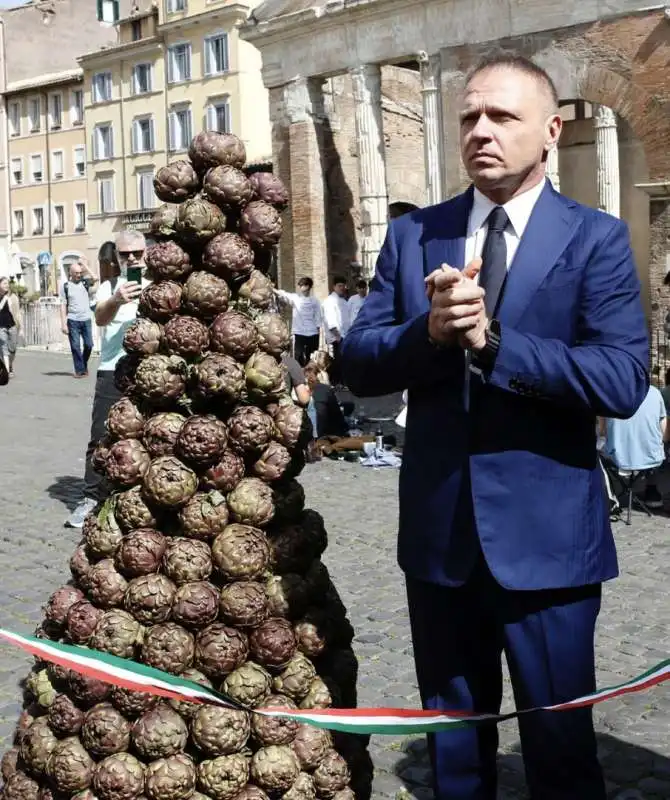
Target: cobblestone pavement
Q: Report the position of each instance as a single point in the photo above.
(45, 419)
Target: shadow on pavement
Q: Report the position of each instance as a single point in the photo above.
(58, 373)
(67, 489)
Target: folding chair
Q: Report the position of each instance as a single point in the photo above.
(626, 480)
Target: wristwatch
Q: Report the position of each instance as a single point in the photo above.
(485, 358)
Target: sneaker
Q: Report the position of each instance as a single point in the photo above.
(652, 497)
(77, 517)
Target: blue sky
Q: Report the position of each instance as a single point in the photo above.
(11, 3)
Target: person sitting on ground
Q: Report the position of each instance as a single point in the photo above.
(296, 383)
(329, 417)
(323, 360)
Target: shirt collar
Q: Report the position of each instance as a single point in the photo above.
(518, 209)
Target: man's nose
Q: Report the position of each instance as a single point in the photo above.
(482, 128)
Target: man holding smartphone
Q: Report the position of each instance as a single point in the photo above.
(115, 309)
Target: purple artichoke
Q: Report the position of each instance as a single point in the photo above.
(185, 336)
(125, 420)
(162, 223)
(196, 604)
(205, 295)
(167, 261)
(204, 516)
(127, 462)
(241, 552)
(143, 337)
(227, 186)
(229, 256)
(260, 224)
(250, 430)
(270, 189)
(160, 301)
(160, 434)
(140, 553)
(210, 149)
(225, 475)
(202, 440)
(176, 182)
(219, 376)
(161, 379)
(274, 336)
(235, 335)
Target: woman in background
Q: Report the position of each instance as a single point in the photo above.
(10, 324)
(329, 417)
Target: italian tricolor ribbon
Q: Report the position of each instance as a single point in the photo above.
(142, 678)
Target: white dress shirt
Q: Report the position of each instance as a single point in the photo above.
(355, 305)
(335, 315)
(306, 312)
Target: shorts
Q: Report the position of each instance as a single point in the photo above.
(9, 338)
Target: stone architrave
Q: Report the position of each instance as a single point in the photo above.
(607, 157)
(366, 84)
(552, 168)
(433, 127)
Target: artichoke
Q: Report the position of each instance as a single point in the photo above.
(132, 704)
(65, 719)
(20, 787)
(292, 426)
(185, 336)
(272, 644)
(227, 186)
(274, 336)
(204, 516)
(37, 745)
(345, 794)
(251, 502)
(161, 379)
(274, 730)
(149, 599)
(8, 764)
(160, 301)
(223, 777)
(160, 434)
(274, 768)
(311, 634)
(260, 224)
(249, 685)
(187, 560)
(130, 508)
(176, 182)
(102, 533)
(296, 677)
(310, 746)
(159, 733)
(202, 440)
(251, 792)
(265, 376)
(250, 430)
(70, 766)
(219, 376)
(85, 691)
(225, 475)
(60, 602)
(168, 647)
(168, 261)
(141, 553)
(143, 336)
(210, 149)
(169, 483)
(100, 453)
(229, 256)
(257, 292)
(125, 420)
(119, 777)
(183, 707)
(270, 189)
(82, 619)
(106, 586)
(39, 687)
(235, 335)
(288, 595)
(124, 373)
(196, 604)
(273, 464)
(331, 775)
(198, 220)
(218, 731)
(171, 778)
(219, 650)
(162, 223)
(302, 789)
(243, 604)
(205, 295)
(127, 461)
(241, 552)
(105, 731)
(318, 695)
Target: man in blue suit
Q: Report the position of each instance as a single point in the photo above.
(504, 527)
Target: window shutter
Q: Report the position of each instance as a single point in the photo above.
(224, 51)
(111, 142)
(135, 136)
(171, 66)
(152, 134)
(172, 131)
(187, 63)
(208, 57)
(188, 133)
(211, 118)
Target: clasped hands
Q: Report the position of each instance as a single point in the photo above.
(457, 314)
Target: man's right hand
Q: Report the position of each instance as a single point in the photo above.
(64, 330)
(127, 292)
(455, 302)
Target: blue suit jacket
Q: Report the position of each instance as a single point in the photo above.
(518, 472)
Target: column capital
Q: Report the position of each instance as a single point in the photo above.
(603, 117)
(366, 81)
(430, 68)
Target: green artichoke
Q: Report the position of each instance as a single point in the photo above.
(171, 778)
(274, 336)
(241, 552)
(187, 560)
(143, 337)
(257, 292)
(117, 633)
(37, 745)
(264, 376)
(149, 598)
(274, 768)
(219, 376)
(251, 503)
(198, 220)
(218, 731)
(119, 777)
(169, 483)
(70, 766)
(130, 509)
(249, 685)
(204, 516)
(162, 222)
(105, 731)
(159, 733)
(223, 777)
(160, 379)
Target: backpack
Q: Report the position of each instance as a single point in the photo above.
(85, 282)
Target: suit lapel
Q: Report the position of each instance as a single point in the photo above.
(550, 228)
(444, 233)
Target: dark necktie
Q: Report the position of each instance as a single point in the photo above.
(494, 260)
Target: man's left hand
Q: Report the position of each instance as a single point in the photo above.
(458, 287)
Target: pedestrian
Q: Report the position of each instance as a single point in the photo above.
(10, 325)
(356, 300)
(115, 309)
(336, 323)
(75, 313)
(306, 322)
(504, 532)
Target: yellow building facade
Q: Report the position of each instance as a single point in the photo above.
(177, 69)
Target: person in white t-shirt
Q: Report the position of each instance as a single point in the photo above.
(115, 307)
(306, 319)
(336, 320)
(356, 300)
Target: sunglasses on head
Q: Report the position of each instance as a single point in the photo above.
(128, 253)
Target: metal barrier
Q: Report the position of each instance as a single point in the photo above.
(41, 326)
(661, 350)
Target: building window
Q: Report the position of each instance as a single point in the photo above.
(38, 221)
(17, 171)
(179, 63)
(106, 194)
(108, 11)
(181, 127)
(143, 135)
(141, 78)
(79, 161)
(145, 188)
(218, 116)
(55, 111)
(102, 87)
(79, 217)
(136, 30)
(176, 5)
(59, 219)
(57, 165)
(15, 119)
(103, 142)
(216, 54)
(34, 114)
(18, 229)
(36, 172)
(77, 107)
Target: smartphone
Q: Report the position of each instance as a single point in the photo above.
(135, 274)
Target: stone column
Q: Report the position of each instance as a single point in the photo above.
(552, 168)
(433, 142)
(366, 84)
(607, 156)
